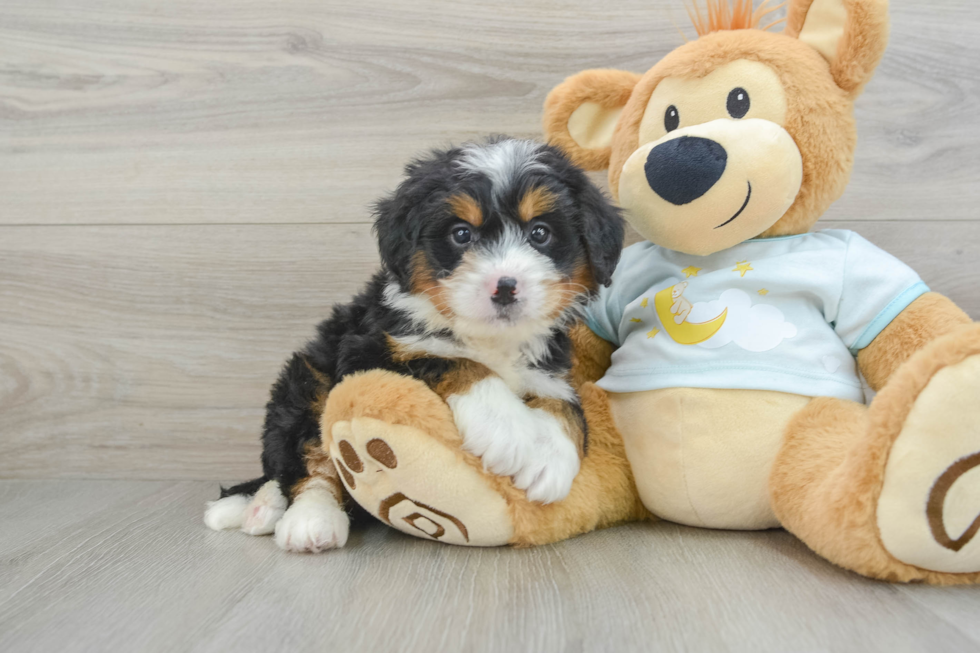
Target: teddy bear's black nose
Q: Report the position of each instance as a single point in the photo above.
(683, 169)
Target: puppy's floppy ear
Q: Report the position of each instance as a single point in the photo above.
(850, 34)
(581, 113)
(400, 217)
(602, 231)
(398, 235)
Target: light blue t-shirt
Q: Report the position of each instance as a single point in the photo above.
(786, 314)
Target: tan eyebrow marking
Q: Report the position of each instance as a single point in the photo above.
(536, 201)
(466, 208)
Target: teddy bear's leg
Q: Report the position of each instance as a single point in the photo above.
(892, 491)
(399, 454)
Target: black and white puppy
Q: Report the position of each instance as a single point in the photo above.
(487, 251)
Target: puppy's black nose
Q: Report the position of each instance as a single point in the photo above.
(683, 169)
(506, 289)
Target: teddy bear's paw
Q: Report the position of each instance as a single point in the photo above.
(314, 523)
(264, 510)
(929, 508)
(418, 485)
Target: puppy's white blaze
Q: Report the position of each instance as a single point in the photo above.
(513, 440)
(503, 162)
(264, 510)
(227, 512)
(313, 523)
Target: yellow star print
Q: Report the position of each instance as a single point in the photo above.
(763, 292)
(644, 302)
(635, 319)
(652, 332)
(690, 271)
(743, 267)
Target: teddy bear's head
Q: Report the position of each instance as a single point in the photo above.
(738, 134)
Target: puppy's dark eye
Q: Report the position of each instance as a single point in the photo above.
(462, 235)
(540, 235)
(671, 118)
(738, 103)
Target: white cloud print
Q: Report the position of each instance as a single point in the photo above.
(753, 328)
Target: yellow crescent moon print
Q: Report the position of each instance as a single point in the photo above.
(685, 333)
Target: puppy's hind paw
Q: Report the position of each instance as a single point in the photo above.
(227, 512)
(265, 509)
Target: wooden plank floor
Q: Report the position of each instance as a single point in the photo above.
(128, 566)
(185, 188)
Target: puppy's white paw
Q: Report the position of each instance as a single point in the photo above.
(514, 440)
(312, 524)
(264, 510)
(227, 512)
(552, 465)
(495, 425)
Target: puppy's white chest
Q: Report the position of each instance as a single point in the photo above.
(508, 365)
(513, 368)
(507, 361)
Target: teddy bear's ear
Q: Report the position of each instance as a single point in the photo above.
(581, 113)
(850, 34)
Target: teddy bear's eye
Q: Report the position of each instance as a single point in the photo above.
(671, 118)
(738, 103)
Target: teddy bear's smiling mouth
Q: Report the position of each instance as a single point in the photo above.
(748, 196)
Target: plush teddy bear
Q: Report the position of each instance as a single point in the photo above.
(719, 372)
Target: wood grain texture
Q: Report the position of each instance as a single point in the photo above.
(128, 565)
(148, 351)
(137, 111)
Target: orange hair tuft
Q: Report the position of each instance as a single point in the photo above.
(729, 15)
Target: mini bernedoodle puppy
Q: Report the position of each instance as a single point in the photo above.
(487, 252)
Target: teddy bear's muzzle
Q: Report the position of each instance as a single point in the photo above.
(708, 187)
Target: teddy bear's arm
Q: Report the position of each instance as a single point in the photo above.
(928, 317)
(592, 355)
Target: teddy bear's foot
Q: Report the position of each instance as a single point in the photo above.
(417, 484)
(929, 508)
(400, 456)
(892, 490)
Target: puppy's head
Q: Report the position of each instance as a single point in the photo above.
(506, 234)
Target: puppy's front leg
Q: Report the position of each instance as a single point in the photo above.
(315, 520)
(535, 442)
(562, 441)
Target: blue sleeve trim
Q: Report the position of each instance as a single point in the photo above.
(887, 314)
(598, 330)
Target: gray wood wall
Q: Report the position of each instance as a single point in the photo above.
(185, 188)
